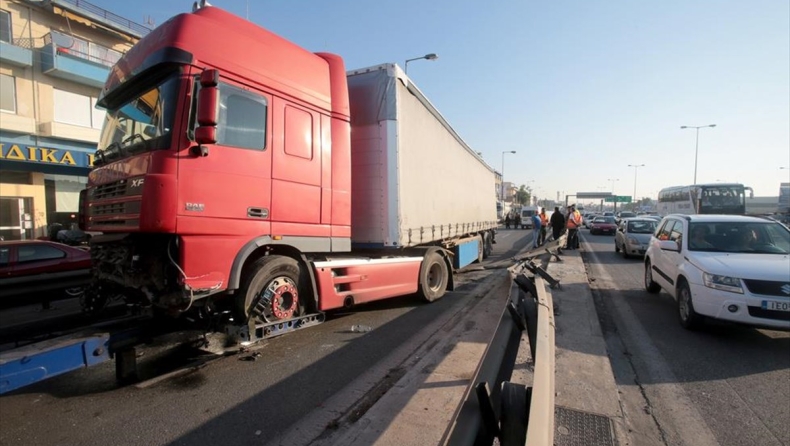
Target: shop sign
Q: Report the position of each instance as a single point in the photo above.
(31, 154)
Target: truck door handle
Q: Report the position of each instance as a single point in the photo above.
(257, 212)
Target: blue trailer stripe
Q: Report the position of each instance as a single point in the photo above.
(466, 253)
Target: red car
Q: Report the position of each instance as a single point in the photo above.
(33, 271)
(603, 225)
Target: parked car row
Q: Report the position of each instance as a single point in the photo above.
(35, 271)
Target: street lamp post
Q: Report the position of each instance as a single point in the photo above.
(696, 145)
(430, 56)
(503, 173)
(613, 180)
(636, 168)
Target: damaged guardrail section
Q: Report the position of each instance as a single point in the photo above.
(494, 407)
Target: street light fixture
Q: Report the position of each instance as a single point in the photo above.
(503, 172)
(613, 180)
(636, 168)
(696, 145)
(430, 56)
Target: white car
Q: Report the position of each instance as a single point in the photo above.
(729, 267)
(633, 236)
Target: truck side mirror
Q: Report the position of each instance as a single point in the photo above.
(208, 108)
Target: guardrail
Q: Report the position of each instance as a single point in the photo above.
(494, 407)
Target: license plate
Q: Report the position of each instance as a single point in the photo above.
(776, 306)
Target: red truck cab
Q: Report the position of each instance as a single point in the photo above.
(221, 138)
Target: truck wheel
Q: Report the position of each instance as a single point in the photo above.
(433, 277)
(480, 249)
(270, 290)
(488, 246)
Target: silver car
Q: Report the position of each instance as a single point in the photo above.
(633, 236)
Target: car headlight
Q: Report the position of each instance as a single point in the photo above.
(724, 283)
(633, 241)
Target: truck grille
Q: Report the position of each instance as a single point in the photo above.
(110, 190)
(124, 207)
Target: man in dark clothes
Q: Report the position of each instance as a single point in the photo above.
(557, 222)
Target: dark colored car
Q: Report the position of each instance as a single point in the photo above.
(34, 271)
(603, 225)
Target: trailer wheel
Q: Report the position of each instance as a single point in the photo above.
(434, 276)
(480, 249)
(270, 290)
(488, 246)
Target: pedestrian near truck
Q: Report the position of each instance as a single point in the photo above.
(536, 226)
(557, 222)
(544, 226)
(574, 221)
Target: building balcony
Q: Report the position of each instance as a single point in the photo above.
(102, 16)
(76, 60)
(18, 52)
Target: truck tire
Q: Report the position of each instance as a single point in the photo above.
(488, 246)
(434, 276)
(270, 291)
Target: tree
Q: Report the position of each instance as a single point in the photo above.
(524, 195)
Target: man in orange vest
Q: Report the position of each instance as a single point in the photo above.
(544, 226)
(573, 223)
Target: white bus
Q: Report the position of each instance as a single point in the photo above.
(717, 198)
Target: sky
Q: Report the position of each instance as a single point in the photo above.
(579, 89)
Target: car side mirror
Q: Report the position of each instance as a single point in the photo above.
(208, 108)
(669, 245)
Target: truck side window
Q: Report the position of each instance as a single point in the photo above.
(242, 118)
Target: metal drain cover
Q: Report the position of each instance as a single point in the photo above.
(576, 428)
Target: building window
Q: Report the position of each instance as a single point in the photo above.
(76, 109)
(5, 27)
(66, 190)
(7, 93)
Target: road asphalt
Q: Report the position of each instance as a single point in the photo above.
(423, 402)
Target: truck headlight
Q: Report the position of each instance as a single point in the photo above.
(724, 283)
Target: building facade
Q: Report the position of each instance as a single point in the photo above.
(55, 56)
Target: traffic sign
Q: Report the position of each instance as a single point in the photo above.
(618, 199)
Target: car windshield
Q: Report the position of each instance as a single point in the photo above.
(627, 214)
(641, 227)
(739, 237)
(609, 220)
(140, 124)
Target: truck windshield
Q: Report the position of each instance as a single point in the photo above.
(140, 124)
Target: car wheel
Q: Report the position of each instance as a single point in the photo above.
(689, 318)
(650, 286)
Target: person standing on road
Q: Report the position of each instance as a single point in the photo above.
(557, 223)
(507, 221)
(544, 226)
(574, 220)
(535, 230)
